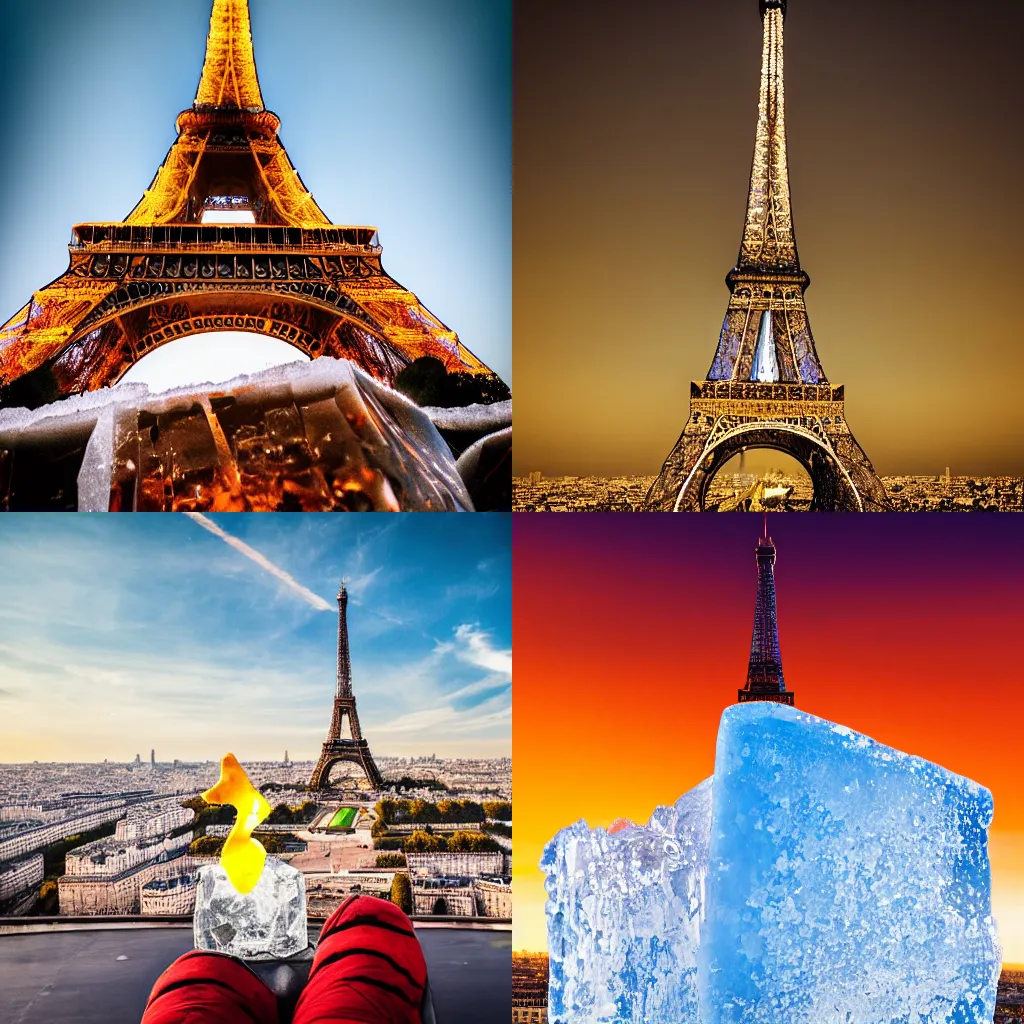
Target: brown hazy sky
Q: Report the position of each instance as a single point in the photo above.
(634, 128)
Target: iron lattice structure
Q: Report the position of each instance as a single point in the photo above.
(338, 749)
(163, 273)
(766, 387)
(765, 680)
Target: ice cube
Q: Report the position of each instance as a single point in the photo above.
(268, 923)
(848, 881)
(624, 913)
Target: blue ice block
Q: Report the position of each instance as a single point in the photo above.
(624, 915)
(848, 882)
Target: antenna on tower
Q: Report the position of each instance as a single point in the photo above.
(766, 526)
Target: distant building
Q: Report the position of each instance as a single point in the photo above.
(20, 877)
(107, 876)
(325, 892)
(149, 821)
(443, 900)
(456, 865)
(493, 897)
(17, 842)
(106, 894)
(170, 896)
(152, 757)
(529, 988)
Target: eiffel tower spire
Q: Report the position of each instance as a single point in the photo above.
(765, 680)
(344, 688)
(768, 239)
(229, 72)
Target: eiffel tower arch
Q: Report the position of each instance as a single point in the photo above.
(168, 270)
(728, 420)
(339, 748)
(766, 387)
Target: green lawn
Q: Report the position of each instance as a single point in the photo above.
(344, 818)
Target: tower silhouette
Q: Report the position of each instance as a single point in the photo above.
(338, 748)
(169, 269)
(765, 680)
(766, 387)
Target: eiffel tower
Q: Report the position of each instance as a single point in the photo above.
(764, 672)
(766, 387)
(170, 270)
(336, 748)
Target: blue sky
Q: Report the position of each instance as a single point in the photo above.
(397, 113)
(197, 636)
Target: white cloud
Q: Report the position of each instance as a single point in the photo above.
(307, 595)
(443, 721)
(474, 646)
(437, 717)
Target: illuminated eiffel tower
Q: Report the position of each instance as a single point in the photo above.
(766, 387)
(169, 269)
(337, 748)
(764, 673)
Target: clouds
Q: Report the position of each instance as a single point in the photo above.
(474, 646)
(122, 633)
(481, 705)
(307, 595)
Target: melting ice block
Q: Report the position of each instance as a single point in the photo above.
(848, 882)
(267, 923)
(624, 913)
(316, 437)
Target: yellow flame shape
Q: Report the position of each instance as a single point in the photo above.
(242, 857)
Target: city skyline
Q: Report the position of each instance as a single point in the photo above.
(633, 156)
(190, 634)
(631, 644)
(442, 70)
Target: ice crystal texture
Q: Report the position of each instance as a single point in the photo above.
(268, 923)
(819, 878)
(315, 437)
(624, 914)
(848, 881)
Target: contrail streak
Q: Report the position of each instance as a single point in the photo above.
(307, 595)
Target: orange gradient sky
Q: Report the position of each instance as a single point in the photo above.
(631, 635)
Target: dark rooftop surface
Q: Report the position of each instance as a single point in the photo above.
(76, 976)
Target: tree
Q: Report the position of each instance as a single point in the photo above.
(282, 814)
(424, 842)
(499, 810)
(401, 893)
(391, 860)
(423, 811)
(207, 846)
(387, 810)
(305, 812)
(471, 842)
(425, 381)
